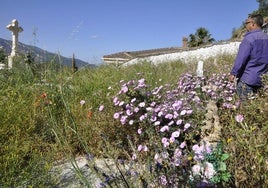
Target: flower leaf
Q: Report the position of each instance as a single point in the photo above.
(222, 166)
(224, 157)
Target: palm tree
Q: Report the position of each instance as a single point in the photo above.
(201, 37)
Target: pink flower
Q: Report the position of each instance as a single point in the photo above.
(175, 134)
(140, 147)
(164, 128)
(149, 109)
(82, 102)
(195, 148)
(124, 89)
(142, 80)
(142, 104)
(179, 122)
(153, 104)
(163, 180)
(157, 123)
(189, 111)
(153, 118)
(101, 108)
(239, 118)
(129, 112)
(145, 148)
(196, 170)
(183, 112)
(160, 114)
(165, 142)
(136, 109)
(116, 101)
(172, 139)
(175, 114)
(209, 171)
(169, 116)
(134, 157)
(177, 152)
(133, 100)
(123, 120)
(170, 123)
(139, 131)
(142, 117)
(116, 115)
(177, 105)
(186, 126)
(182, 145)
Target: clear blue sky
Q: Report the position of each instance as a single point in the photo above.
(93, 28)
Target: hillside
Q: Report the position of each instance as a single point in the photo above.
(41, 55)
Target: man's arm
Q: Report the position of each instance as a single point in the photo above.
(241, 58)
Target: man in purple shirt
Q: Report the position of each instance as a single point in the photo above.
(252, 59)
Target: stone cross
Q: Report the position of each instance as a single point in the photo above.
(15, 29)
(199, 70)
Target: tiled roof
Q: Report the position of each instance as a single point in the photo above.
(142, 53)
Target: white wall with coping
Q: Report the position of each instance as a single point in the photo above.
(190, 55)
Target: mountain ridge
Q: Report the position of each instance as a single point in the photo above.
(41, 55)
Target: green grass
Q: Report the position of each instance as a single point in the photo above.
(42, 120)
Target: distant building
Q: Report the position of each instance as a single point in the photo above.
(123, 57)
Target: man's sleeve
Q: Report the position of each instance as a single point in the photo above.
(241, 58)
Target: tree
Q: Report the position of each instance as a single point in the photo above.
(263, 4)
(3, 56)
(201, 37)
(263, 8)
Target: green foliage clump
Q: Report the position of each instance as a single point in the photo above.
(219, 158)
